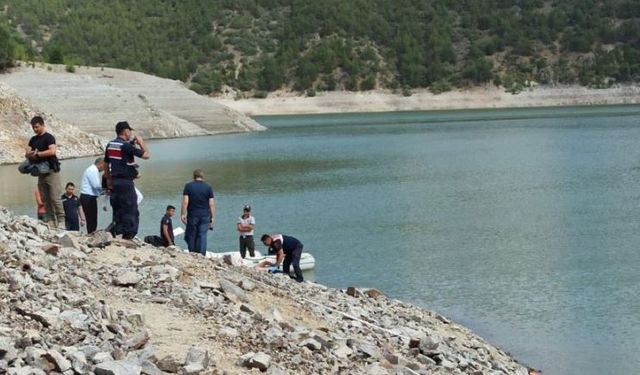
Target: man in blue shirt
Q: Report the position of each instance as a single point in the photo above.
(122, 169)
(287, 247)
(166, 237)
(73, 215)
(166, 227)
(198, 212)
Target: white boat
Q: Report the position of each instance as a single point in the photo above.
(307, 261)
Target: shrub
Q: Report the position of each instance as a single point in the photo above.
(439, 87)
(260, 94)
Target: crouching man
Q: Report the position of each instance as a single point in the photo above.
(287, 247)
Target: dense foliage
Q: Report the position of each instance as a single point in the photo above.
(264, 45)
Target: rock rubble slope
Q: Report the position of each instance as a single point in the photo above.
(81, 305)
(94, 99)
(15, 130)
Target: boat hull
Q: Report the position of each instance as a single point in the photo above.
(307, 261)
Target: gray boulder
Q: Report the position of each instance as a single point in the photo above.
(232, 290)
(7, 350)
(127, 277)
(252, 360)
(197, 360)
(117, 368)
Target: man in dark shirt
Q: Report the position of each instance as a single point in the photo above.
(166, 227)
(120, 158)
(287, 247)
(198, 212)
(42, 147)
(73, 214)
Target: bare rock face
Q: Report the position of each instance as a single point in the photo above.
(15, 114)
(94, 99)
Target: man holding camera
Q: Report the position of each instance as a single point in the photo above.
(120, 171)
(42, 148)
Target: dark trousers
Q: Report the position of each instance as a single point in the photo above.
(89, 205)
(246, 243)
(196, 234)
(293, 258)
(124, 204)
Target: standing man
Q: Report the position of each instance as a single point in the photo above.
(42, 147)
(288, 247)
(198, 212)
(74, 217)
(90, 190)
(120, 159)
(245, 225)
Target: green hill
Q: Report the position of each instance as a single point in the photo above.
(259, 46)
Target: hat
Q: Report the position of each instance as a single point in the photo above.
(122, 126)
(247, 207)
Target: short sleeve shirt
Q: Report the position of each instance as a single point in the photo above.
(71, 205)
(288, 244)
(248, 221)
(199, 193)
(42, 143)
(166, 220)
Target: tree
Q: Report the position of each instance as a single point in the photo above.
(55, 56)
(7, 49)
(271, 76)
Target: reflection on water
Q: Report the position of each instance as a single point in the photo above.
(522, 224)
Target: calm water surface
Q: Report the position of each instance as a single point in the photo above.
(522, 224)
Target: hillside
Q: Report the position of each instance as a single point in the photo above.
(259, 46)
(15, 132)
(94, 99)
(81, 305)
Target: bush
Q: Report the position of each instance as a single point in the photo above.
(70, 68)
(439, 87)
(55, 56)
(369, 83)
(260, 94)
(311, 93)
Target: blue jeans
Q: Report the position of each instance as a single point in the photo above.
(196, 234)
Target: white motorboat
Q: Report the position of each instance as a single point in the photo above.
(307, 261)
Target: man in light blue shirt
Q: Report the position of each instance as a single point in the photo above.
(90, 190)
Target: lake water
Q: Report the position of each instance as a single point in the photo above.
(521, 224)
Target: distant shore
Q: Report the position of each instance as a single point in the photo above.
(423, 100)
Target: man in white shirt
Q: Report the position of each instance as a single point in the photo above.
(90, 190)
(245, 226)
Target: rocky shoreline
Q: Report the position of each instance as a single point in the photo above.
(487, 97)
(76, 304)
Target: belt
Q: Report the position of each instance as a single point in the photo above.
(247, 235)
